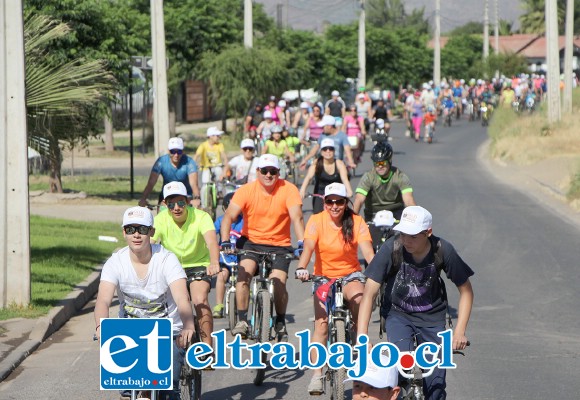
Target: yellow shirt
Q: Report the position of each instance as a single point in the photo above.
(210, 155)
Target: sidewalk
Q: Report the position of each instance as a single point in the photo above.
(20, 337)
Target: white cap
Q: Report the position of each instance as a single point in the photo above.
(377, 376)
(267, 114)
(335, 93)
(268, 160)
(175, 143)
(327, 142)
(327, 120)
(138, 216)
(360, 96)
(213, 131)
(247, 143)
(304, 105)
(174, 188)
(282, 103)
(415, 219)
(380, 123)
(337, 189)
(384, 218)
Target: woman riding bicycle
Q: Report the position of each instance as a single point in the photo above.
(335, 236)
(278, 147)
(354, 126)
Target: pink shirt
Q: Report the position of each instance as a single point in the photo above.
(353, 125)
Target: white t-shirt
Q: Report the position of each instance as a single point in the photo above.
(149, 297)
(241, 166)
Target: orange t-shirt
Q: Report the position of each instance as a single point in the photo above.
(429, 117)
(334, 257)
(266, 216)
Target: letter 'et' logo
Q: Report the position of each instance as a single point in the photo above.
(136, 353)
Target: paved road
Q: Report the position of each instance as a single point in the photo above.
(524, 327)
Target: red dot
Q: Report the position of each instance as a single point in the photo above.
(407, 361)
(155, 383)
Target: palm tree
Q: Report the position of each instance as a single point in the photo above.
(534, 20)
(62, 98)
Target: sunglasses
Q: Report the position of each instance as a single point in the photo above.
(248, 149)
(180, 203)
(327, 149)
(381, 164)
(272, 171)
(176, 151)
(142, 229)
(338, 202)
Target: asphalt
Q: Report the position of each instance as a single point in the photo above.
(20, 337)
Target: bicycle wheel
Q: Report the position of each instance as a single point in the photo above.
(208, 200)
(232, 309)
(337, 376)
(189, 378)
(263, 316)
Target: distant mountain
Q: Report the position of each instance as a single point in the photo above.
(312, 15)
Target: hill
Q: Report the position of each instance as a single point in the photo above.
(312, 15)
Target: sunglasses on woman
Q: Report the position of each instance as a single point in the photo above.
(142, 229)
(327, 149)
(338, 202)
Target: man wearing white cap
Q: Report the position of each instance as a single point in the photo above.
(269, 206)
(245, 164)
(211, 155)
(415, 299)
(377, 383)
(175, 166)
(341, 143)
(335, 107)
(150, 283)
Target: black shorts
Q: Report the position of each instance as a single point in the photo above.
(192, 272)
(281, 263)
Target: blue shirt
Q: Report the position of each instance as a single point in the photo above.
(170, 173)
(237, 226)
(448, 103)
(457, 92)
(340, 140)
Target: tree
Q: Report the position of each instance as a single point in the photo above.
(460, 54)
(392, 13)
(61, 98)
(534, 19)
(509, 64)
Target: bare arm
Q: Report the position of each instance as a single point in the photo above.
(408, 199)
(193, 182)
(348, 153)
(359, 200)
(179, 293)
(344, 177)
(307, 179)
(297, 221)
(366, 306)
(214, 251)
(310, 154)
(463, 313)
(306, 255)
(224, 163)
(367, 250)
(104, 299)
(148, 188)
(230, 215)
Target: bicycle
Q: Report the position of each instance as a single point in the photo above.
(262, 299)
(340, 329)
(230, 307)
(209, 193)
(412, 385)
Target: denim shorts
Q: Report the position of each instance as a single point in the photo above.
(354, 276)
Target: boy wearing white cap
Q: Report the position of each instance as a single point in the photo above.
(150, 283)
(415, 299)
(175, 166)
(377, 383)
(211, 155)
(245, 164)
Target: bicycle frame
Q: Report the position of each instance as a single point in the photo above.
(414, 376)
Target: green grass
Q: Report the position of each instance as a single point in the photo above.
(63, 253)
(574, 192)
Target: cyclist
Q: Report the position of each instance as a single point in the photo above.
(385, 187)
(448, 106)
(244, 165)
(150, 283)
(224, 275)
(381, 111)
(458, 96)
(276, 112)
(335, 107)
(291, 140)
(335, 236)
(265, 127)
(269, 206)
(430, 120)
(313, 124)
(363, 108)
(507, 95)
(414, 299)
(175, 166)
(277, 146)
(416, 108)
(300, 120)
(189, 233)
(210, 155)
(325, 170)
(354, 127)
(377, 383)
(253, 119)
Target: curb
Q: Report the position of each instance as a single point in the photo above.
(49, 324)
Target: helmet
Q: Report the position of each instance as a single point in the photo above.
(227, 199)
(382, 152)
(276, 129)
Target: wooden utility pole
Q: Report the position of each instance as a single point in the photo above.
(553, 62)
(568, 53)
(437, 45)
(362, 52)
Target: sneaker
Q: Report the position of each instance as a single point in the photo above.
(316, 386)
(281, 332)
(218, 311)
(241, 329)
(125, 395)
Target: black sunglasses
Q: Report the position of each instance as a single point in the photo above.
(272, 171)
(180, 203)
(142, 229)
(327, 149)
(248, 149)
(338, 202)
(176, 151)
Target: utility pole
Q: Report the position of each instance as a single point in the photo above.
(279, 15)
(14, 220)
(362, 52)
(248, 25)
(553, 62)
(160, 99)
(568, 52)
(485, 29)
(437, 45)
(496, 28)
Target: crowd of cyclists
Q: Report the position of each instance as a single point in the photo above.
(325, 142)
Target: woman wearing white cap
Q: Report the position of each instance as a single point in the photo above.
(245, 164)
(335, 236)
(326, 170)
(264, 129)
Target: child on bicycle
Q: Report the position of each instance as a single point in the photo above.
(210, 155)
(224, 275)
(430, 119)
(335, 236)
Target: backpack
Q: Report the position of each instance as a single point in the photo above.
(397, 260)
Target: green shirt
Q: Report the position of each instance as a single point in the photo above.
(292, 142)
(383, 193)
(187, 242)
